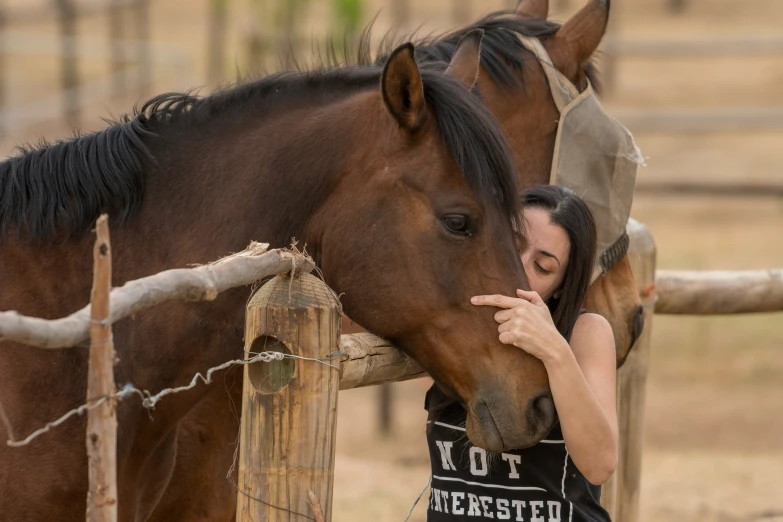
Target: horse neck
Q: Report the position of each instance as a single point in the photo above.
(260, 178)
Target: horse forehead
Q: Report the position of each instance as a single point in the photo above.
(531, 85)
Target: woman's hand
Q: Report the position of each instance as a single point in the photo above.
(526, 323)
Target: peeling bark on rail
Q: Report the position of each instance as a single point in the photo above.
(370, 360)
(685, 292)
(202, 283)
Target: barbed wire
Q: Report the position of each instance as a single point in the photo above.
(415, 502)
(149, 401)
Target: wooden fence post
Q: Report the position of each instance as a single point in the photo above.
(621, 494)
(289, 407)
(116, 46)
(3, 76)
(101, 421)
(141, 16)
(401, 12)
(69, 61)
(216, 41)
(460, 11)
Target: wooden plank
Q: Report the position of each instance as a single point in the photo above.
(32, 13)
(141, 18)
(689, 292)
(202, 283)
(116, 27)
(370, 360)
(621, 493)
(3, 75)
(69, 63)
(216, 41)
(289, 407)
(705, 48)
(460, 11)
(385, 409)
(401, 12)
(683, 119)
(709, 189)
(101, 420)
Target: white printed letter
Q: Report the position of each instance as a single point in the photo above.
(554, 511)
(482, 457)
(473, 510)
(456, 496)
(519, 504)
(445, 496)
(445, 454)
(535, 505)
(487, 512)
(503, 512)
(512, 460)
(437, 499)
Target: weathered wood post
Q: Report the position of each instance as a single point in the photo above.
(621, 493)
(141, 16)
(101, 421)
(116, 46)
(289, 407)
(69, 61)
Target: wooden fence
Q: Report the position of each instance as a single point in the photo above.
(301, 317)
(290, 405)
(284, 473)
(131, 61)
(688, 119)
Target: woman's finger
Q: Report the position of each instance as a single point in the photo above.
(531, 296)
(500, 301)
(504, 315)
(506, 327)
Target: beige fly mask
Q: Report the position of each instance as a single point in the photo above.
(595, 156)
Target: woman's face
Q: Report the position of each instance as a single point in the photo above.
(546, 257)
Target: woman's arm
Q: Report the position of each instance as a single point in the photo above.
(582, 380)
(581, 376)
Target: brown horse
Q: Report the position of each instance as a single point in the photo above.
(514, 87)
(397, 179)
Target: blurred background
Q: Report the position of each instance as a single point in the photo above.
(699, 82)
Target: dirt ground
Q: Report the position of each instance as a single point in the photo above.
(713, 439)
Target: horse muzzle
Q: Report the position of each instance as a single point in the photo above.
(494, 429)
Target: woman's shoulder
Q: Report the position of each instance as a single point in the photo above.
(590, 320)
(592, 333)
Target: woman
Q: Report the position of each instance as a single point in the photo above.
(557, 479)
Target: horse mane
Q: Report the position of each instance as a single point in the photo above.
(61, 188)
(501, 54)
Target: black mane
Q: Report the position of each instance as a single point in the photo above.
(501, 50)
(63, 187)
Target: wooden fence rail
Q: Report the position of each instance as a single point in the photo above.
(687, 292)
(704, 48)
(705, 120)
(302, 399)
(306, 323)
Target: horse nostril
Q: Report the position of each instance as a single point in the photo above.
(541, 414)
(638, 324)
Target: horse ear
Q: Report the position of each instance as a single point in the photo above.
(533, 9)
(577, 40)
(402, 88)
(466, 61)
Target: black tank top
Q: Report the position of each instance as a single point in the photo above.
(537, 484)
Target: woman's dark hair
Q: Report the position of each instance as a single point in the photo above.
(569, 212)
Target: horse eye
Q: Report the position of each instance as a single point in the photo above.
(457, 224)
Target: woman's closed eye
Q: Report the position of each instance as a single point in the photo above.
(541, 270)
